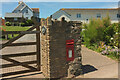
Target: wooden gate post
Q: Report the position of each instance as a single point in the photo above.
(38, 48)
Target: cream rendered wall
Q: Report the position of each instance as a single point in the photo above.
(88, 14)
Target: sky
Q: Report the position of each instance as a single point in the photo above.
(48, 8)
(60, 0)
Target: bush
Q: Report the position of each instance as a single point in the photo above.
(94, 32)
(28, 22)
(8, 24)
(108, 33)
(106, 21)
(98, 30)
(22, 24)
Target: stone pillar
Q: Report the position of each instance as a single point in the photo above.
(54, 62)
(75, 67)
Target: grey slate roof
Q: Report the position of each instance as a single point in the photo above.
(13, 15)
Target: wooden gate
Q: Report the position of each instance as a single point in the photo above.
(20, 63)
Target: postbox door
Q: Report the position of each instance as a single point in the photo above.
(70, 54)
(70, 50)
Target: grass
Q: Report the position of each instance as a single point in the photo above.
(113, 55)
(14, 28)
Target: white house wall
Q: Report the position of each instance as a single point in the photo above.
(88, 14)
(29, 14)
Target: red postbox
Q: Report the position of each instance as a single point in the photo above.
(70, 50)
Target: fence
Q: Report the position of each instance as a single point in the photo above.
(22, 60)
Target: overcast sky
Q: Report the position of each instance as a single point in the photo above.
(48, 8)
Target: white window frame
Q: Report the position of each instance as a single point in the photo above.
(98, 15)
(78, 15)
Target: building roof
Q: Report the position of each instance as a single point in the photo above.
(35, 9)
(13, 15)
(89, 9)
(21, 2)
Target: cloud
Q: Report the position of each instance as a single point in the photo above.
(60, 0)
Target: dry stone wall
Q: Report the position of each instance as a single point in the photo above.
(54, 34)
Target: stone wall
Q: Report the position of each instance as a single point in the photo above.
(54, 62)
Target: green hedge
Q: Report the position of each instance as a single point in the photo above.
(8, 24)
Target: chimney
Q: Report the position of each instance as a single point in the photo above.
(20, 2)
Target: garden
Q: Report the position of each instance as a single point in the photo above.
(102, 36)
(12, 28)
(8, 27)
(24, 23)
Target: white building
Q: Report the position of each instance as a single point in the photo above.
(23, 10)
(85, 14)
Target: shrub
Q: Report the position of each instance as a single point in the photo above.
(22, 24)
(28, 22)
(109, 32)
(94, 32)
(8, 24)
(106, 21)
(98, 30)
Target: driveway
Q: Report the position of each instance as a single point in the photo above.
(19, 61)
(97, 65)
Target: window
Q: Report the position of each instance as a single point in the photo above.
(78, 15)
(15, 19)
(26, 11)
(87, 19)
(98, 15)
(118, 15)
(26, 17)
(23, 5)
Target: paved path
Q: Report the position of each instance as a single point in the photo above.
(97, 65)
(21, 62)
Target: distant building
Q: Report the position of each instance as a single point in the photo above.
(21, 13)
(2, 22)
(85, 14)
